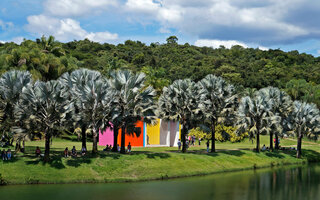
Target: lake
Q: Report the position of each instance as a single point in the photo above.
(292, 183)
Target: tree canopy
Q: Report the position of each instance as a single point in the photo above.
(47, 59)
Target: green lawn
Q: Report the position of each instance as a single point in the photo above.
(145, 163)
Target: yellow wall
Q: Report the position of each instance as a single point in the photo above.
(153, 134)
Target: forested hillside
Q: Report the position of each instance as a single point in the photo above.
(46, 59)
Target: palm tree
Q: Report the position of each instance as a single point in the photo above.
(252, 115)
(304, 119)
(49, 45)
(11, 85)
(132, 101)
(47, 105)
(94, 103)
(281, 106)
(216, 101)
(178, 102)
(91, 95)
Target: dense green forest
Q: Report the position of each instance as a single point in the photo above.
(247, 68)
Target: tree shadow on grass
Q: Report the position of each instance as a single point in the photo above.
(33, 162)
(233, 153)
(274, 154)
(312, 156)
(56, 162)
(160, 155)
(197, 152)
(113, 155)
(76, 162)
(151, 155)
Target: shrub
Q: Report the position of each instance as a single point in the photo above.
(2, 181)
(223, 134)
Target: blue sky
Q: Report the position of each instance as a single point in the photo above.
(286, 24)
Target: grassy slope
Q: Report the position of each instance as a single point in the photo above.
(144, 163)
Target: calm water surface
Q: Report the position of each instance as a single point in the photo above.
(292, 183)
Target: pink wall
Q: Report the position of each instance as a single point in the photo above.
(106, 137)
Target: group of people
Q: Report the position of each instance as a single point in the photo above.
(109, 148)
(6, 155)
(191, 140)
(74, 151)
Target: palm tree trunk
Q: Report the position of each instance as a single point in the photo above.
(277, 142)
(95, 141)
(299, 144)
(123, 143)
(213, 136)
(183, 137)
(18, 146)
(23, 146)
(258, 141)
(84, 136)
(115, 138)
(47, 146)
(271, 141)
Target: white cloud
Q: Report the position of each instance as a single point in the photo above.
(5, 25)
(164, 30)
(217, 43)
(227, 44)
(263, 48)
(149, 10)
(143, 6)
(318, 52)
(68, 8)
(260, 22)
(16, 40)
(65, 29)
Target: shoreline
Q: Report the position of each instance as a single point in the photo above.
(271, 165)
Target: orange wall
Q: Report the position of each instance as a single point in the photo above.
(133, 139)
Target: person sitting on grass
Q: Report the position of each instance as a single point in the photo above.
(4, 155)
(9, 155)
(129, 147)
(263, 147)
(66, 152)
(107, 148)
(38, 152)
(74, 152)
(83, 151)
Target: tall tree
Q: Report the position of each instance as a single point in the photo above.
(47, 104)
(49, 45)
(91, 96)
(132, 101)
(72, 82)
(252, 115)
(178, 102)
(281, 106)
(303, 120)
(216, 101)
(11, 86)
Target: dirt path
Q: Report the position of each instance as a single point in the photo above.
(313, 143)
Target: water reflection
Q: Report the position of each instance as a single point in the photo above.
(287, 183)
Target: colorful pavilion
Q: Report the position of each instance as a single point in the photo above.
(164, 133)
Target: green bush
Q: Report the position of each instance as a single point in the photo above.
(2, 181)
(223, 134)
